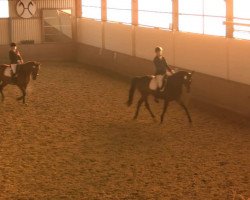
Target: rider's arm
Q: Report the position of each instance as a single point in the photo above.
(167, 66)
(19, 56)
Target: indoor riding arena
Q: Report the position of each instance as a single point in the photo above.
(73, 136)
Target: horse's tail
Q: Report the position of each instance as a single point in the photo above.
(132, 91)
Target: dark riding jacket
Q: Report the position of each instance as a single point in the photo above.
(14, 56)
(161, 66)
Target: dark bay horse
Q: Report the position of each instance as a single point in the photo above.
(172, 92)
(25, 71)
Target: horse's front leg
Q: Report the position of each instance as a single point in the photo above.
(186, 110)
(166, 102)
(3, 97)
(138, 107)
(2, 85)
(149, 109)
(23, 97)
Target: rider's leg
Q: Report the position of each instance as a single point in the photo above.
(159, 81)
(13, 68)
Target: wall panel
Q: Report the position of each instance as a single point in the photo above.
(148, 38)
(90, 32)
(4, 31)
(202, 53)
(28, 29)
(239, 61)
(118, 37)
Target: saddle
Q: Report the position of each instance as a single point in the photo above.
(153, 85)
(8, 71)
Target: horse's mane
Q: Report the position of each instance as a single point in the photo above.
(175, 82)
(178, 75)
(28, 63)
(25, 67)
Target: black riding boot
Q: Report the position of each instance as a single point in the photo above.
(157, 95)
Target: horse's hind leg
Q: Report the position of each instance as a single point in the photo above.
(149, 109)
(138, 107)
(24, 96)
(186, 110)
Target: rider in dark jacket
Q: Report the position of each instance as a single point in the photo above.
(161, 69)
(15, 59)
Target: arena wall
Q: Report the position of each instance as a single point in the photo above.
(222, 67)
(42, 52)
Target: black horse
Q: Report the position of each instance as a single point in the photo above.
(172, 92)
(25, 71)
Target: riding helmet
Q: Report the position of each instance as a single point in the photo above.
(13, 44)
(157, 49)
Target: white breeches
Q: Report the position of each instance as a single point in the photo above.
(159, 80)
(13, 68)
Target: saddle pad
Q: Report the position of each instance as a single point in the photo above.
(153, 84)
(7, 72)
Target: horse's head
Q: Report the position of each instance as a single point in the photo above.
(188, 80)
(35, 70)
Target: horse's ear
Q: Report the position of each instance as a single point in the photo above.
(191, 73)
